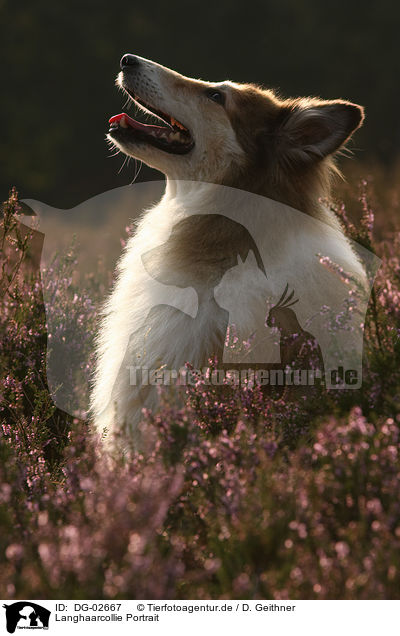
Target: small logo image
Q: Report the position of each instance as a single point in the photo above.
(298, 347)
(26, 615)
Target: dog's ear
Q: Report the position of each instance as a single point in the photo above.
(313, 129)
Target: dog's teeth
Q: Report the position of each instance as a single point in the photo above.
(168, 135)
(177, 124)
(123, 123)
(175, 136)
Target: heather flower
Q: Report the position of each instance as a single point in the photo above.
(235, 493)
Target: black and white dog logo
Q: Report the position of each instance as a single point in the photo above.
(26, 615)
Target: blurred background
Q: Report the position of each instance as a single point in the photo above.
(59, 62)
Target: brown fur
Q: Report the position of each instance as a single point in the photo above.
(272, 169)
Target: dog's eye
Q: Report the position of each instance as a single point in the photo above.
(216, 96)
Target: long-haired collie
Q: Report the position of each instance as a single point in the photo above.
(247, 175)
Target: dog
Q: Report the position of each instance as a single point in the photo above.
(221, 146)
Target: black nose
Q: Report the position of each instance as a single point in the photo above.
(128, 60)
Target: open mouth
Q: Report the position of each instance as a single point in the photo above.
(171, 136)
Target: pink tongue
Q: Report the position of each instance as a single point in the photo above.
(131, 122)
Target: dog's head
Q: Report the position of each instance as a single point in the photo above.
(192, 136)
(228, 133)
